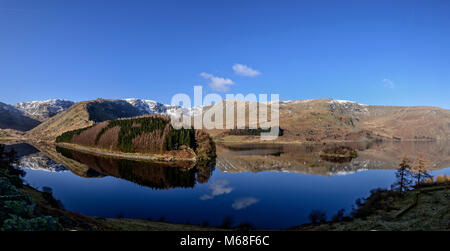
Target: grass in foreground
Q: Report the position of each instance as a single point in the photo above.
(426, 208)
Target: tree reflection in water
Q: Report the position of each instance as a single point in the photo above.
(155, 175)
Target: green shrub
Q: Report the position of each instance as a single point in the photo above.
(17, 211)
(44, 223)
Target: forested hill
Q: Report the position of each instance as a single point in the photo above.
(145, 135)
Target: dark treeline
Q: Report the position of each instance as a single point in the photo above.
(249, 132)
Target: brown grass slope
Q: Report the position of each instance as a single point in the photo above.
(81, 115)
(421, 123)
(331, 120)
(302, 121)
(73, 118)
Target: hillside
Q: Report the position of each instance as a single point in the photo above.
(81, 115)
(301, 121)
(148, 135)
(12, 118)
(86, 113)
(337, 120)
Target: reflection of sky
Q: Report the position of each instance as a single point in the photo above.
(266, 199)
(242, 203)
(218, 187)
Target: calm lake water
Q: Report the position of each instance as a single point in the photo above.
(270, 186)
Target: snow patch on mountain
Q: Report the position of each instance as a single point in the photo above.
(347, 107)
(42, 110)
(152, 107)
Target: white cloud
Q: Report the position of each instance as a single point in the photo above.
(244, 202)
(388, 83)
(219, 187)
(217, 83)
(244, 70)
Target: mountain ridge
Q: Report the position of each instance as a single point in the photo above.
(311, 120)
(43, 109)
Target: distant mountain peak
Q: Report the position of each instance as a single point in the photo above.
(44, 109)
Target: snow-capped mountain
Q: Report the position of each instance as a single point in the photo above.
(152, 107)
(42, 110)
(147, 106)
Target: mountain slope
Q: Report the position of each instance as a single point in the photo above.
(81, 115)
(346, 120)
(12, 118)
(87, 113)
(301, 120)
(340, 120)
(43, 110)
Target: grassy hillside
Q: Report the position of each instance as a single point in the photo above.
(81, 115)
(333, 120)
(75, 117)
(144, 135)
(300, 121)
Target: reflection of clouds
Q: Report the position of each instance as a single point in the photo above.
(242, 203)
(218, 187)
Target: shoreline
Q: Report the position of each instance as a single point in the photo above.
(317, 142)
(101, 152)
(233, 142)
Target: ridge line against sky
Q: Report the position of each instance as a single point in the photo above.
(372, 52)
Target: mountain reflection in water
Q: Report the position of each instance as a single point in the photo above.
(271, 186)
(308, 158)
(150, 174)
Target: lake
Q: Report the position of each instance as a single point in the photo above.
(269, 186)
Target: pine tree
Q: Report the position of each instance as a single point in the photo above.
(404, 176)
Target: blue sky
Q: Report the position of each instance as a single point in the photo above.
(373, 52)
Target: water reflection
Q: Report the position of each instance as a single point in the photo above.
(39, 161)
(271, 186)
(309, 158)
(219, 187)
(242, 203)
(149, 174)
